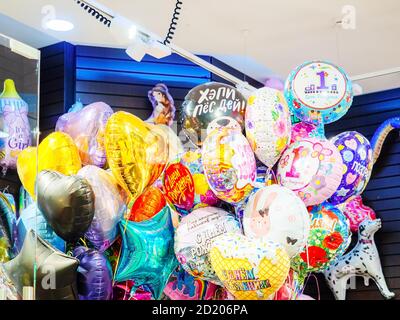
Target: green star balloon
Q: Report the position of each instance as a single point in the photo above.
(147, 255)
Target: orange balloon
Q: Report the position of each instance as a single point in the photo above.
(149, 203)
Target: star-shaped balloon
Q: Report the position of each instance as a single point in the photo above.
(147, 255)
(55, 271)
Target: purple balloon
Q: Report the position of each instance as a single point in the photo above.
(356, 153)
(94, 275)
(87, 128)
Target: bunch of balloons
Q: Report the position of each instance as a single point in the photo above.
(123, 211)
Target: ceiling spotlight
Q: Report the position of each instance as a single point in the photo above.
(59, 25)
(143, 44)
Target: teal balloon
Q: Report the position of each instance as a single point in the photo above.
(32, 219)
(147, 255)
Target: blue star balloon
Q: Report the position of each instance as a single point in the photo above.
(147, 255)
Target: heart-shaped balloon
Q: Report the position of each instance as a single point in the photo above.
(109, 206)
(249, 268)
(136, 153)
(86, 127)
(149, 203)
(56, 152)
(67, 202)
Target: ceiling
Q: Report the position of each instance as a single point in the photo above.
(262, 38)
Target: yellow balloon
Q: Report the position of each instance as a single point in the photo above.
(56, 152)
(136, 152)
(250, 269)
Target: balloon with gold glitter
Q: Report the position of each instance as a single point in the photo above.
(250, 269)
(136, 152)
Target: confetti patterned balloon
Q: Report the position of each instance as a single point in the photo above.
(194, 236)
(356, 153)
(250, 269)
(318, 92)
(267, 124)
(229, 164)
(312, 168)
(277, 214)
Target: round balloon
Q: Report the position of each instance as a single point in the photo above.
(312, 168)
(329, 237)
(175, 147)
(229, 164)
(209, 106)
(356, 153)
(109, 206)
(149, 203)
(277, 214)
(249, 268)
(303, 130)
(86, 127)
(318, 92)
(136, 153)
(203, 195)
(267, 124)
(179, 186)
(194, 237)
(56, 152)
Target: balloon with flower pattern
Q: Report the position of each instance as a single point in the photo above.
(267, 124)
(312, 168)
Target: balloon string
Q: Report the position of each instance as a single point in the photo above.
(84, 242)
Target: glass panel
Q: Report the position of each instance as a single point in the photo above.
(19, 134)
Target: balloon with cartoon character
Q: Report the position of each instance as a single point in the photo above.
(163, 105)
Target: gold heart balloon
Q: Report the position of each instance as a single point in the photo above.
(56, 152)
(137, 152)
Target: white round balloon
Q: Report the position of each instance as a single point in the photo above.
(276, 213)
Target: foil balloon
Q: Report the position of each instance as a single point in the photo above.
(7, 288)
(381, 133)
(203, 195)
(183, 286)
(56, 152)
(211, 105)
(109, 206)
(163, 105)
(175, 147)
(147, 255)
(136, 154)
(124, 291)
(67, 203)
(149, 203)
(318, 92)
(303, 130)
(15, 123)
(267, 124)
(312, 168)
(87, 127)
(229, 164)
(249, 268)
(31, 218)
(277, 214)
(329, 238)
(94, 275)
(194, 236)
(356, 211)
(356, 153)
(179, 186)
(55, 276)
(8, 227)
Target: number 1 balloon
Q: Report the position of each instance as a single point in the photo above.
(147, 255)
(67, 202)
(55, 275)
(318, 92)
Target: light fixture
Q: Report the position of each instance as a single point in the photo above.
(143, 44)
(59, 25)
